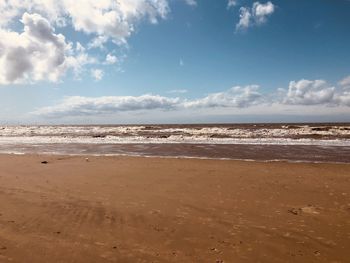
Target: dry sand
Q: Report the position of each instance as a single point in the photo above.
(121, 209)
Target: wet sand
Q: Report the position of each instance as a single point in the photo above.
(124, 209)
(294, 153)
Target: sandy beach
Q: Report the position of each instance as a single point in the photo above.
(134, 209)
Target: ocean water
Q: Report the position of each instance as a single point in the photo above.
(292, 142)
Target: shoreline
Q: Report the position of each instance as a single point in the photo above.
(137, 209)
(336, 154)
(173, 157)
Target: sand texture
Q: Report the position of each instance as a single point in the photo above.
(123, 209)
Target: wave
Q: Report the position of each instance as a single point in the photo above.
(174, 139)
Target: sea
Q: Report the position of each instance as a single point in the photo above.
(307, 142)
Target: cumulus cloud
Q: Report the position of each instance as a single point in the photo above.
(80, 106)
(309, 92)
(345, 82)
(111, 19)
(35, 54)
(256, 15)
(238, 97)
(38, 53)
(262, 11)
(50, 9)
(343, 98)
(108, 18)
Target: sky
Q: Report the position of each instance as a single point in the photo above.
(174, 61)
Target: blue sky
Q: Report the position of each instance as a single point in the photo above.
(174, 61)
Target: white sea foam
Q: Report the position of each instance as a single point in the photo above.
(33, 140)
(297, 135)
(158, 130)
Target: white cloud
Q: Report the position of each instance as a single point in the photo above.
(303, 96)
(38, 53)
(111, 59)
(256, 15)
(309, 92)
(99, 17)
(79, 106)
(191, 2)
(238, 97)
(345, 82)
(262, 11)
(108, 18)
(50, 9)
(79, 60)
(343, 98)
(35, 54)
(97, 74)
(113, 19)
(244, 18)
(231, 3)
(98, 42)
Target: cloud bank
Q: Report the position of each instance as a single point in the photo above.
(309, 92)
(345, 83)
(299, 94)
(82, 106)
(237, 97)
